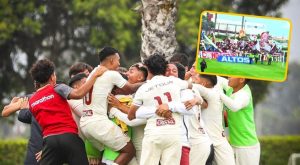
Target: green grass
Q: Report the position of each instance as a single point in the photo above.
(273, 72)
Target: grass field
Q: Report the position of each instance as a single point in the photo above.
(273, 72)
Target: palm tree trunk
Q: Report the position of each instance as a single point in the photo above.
(158, 28)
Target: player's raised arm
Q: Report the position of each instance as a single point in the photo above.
(15, 105)
(80, 92)
(237, 103)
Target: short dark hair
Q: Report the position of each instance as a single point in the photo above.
(212, 78)
(78, 68)
(42, 70)
(106, 52)
(181, 70)
(247, 81)
(142, 69)
(156, 64)
(181, 58)
(76, 78)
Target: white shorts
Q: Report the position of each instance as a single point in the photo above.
(165, 149)
(247, 155)
(224, 154)
(105, 133)
(199, 153)
(137, 140)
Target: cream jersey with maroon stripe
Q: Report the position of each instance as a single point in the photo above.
(95, 102)
(212, 115)
(159, 90)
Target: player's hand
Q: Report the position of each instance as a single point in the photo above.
(113, 101)
(190, 103)
(15, 99)
(163, 107)
(163, 111)
(24, 103)
(100, 70)
(38, 156)
(187, 75)
(167, 114)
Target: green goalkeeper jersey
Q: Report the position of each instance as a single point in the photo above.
(241, 123)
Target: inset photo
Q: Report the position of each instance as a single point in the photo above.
(247, 46)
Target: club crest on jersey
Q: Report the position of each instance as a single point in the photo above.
(162, 122)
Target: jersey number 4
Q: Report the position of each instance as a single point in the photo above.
(158, 99)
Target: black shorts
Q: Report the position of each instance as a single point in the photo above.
(63, 148)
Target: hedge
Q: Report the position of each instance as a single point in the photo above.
(12, 152)
(275, 150)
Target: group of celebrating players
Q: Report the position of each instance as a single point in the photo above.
(156, 112)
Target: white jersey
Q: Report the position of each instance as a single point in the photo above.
(159, 90)
(95, 101)
(77, 109)
(196, 130)
(213, 114)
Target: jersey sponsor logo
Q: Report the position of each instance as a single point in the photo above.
(43, 99)
(234, 59)
(162, 122)
(159, 85)
(87, 113)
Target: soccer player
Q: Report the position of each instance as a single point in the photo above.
(94, 123)
(35, 142)
(242, 133)
(201, 148)
(61, 141)
(203, 65)
(120, 106)
(181, 58)
(213, 118)
(78, 73)
(196, 145)
(192, 72)
(161, 141)
(77, 105)
(80, 67)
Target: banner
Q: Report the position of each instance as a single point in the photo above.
(234, 59)
(213, 55)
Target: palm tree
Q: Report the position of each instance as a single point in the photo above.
(158, 27)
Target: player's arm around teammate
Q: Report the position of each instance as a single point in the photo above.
(81, 91)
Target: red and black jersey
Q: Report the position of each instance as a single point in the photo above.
(52, 112)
